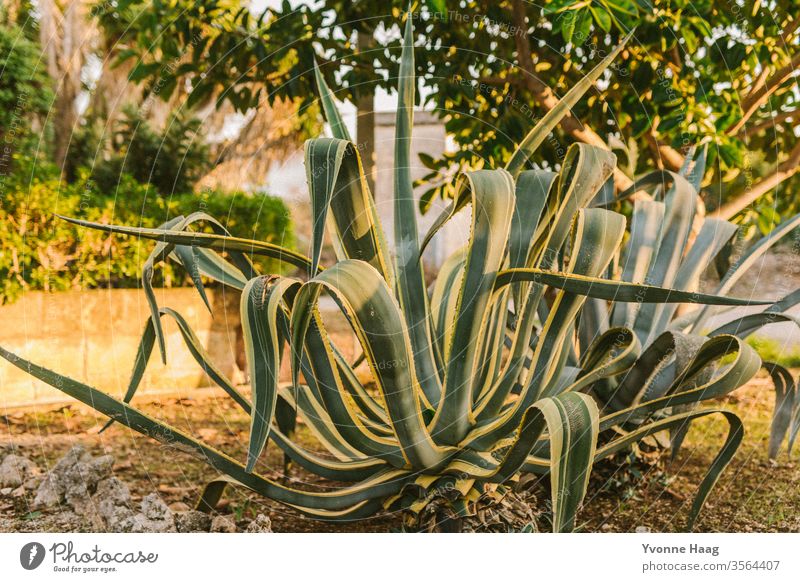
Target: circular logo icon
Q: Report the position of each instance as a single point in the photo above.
(31, 555)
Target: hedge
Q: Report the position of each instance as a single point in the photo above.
(41, 252)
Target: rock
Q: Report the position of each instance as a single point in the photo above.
(83, 483)
(49, 493)
(179, 506)
(74, 479)
(642, 529)
(15, 470)
(155, 517)
(32, 483)
(192, 521)
(113, 500)
(222, 524)
(261, 524)
(6, 449)
(5, 490)
(154, 508)
(18, 492)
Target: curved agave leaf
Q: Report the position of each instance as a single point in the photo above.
(380, 327)
(341, 199)
(572, 426)
(492, 194)
(721, 461)
(229, 244)
(787, 404)
(692, 384)
(656, 370)
(261, 300)
(381, 485)
(572, 422)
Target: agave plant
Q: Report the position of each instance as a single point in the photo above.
(476, 380)
(662, 251)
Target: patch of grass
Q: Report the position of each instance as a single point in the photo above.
(754, 494)
(774, 351)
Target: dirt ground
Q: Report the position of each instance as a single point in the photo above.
(754, 494)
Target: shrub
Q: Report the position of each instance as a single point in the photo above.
(40, 252)
(475, 383)
(173, 161)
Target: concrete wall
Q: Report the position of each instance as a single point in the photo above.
(288, 180)
(428, 137)
(93, 336)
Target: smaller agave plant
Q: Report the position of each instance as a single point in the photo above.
(476, 381)
(661, 250)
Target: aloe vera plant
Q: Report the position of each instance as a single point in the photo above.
(476, 380)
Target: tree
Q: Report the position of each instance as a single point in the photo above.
(173, 40)
(695, 71)
(25, 90)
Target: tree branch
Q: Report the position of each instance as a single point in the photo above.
(783, 171)
(756, 128)
(756, 98)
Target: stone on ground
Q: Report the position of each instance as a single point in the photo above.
(16, 470)
(261, 524)
(222, 524)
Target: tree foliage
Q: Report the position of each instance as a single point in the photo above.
(25, 90)
(172, 161)
(697, 71)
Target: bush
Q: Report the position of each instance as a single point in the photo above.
(42, 252)
(172, 161)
